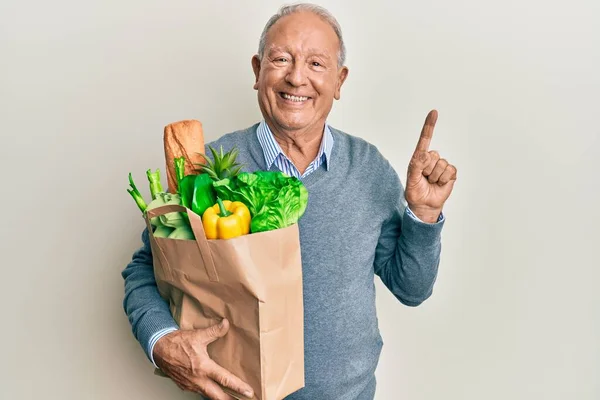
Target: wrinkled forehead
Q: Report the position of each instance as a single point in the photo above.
(303, 33)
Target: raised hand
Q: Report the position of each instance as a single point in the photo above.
(182, 356)
(430, 178)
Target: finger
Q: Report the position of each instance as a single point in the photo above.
(228, 380)
(448, 175)
(427, 132)
(213, 391)
(214, 332)
(438, 170)
(434, 157)
(418, 163)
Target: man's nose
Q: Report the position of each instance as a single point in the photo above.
(297, 74)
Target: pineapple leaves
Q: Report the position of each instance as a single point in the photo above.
(223, 165)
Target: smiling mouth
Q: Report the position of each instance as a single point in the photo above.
(297, 99)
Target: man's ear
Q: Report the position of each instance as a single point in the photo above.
(256, 69)
(342, 75)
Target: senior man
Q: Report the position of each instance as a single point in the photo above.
(360, 222)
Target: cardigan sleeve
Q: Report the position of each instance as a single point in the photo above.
(408, 250)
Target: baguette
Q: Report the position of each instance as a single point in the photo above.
(183, 139)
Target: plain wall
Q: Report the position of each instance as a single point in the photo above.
(87, 87)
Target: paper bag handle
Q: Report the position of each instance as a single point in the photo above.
(197, 228)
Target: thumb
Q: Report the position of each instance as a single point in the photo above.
(214, 332)
(418, 163)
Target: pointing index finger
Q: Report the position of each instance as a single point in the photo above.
(427, 132)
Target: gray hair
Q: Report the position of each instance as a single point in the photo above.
(317, 10)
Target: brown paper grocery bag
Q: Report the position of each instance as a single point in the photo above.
(255, 281)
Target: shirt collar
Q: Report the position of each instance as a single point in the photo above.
(272, 150)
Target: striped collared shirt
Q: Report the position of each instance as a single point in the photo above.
(275, 155)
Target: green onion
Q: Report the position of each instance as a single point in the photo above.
(180, 168)
(137, 196)
(155, 185)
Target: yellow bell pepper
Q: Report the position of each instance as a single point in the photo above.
(226, 220)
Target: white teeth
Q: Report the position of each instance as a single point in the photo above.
(294, 98)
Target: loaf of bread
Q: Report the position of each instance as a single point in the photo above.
(183, 139)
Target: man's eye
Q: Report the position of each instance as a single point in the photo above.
(281, 59)
(316, 64)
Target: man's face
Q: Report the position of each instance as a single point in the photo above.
(298, 77)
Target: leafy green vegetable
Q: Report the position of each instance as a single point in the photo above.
(172, 219)
(183, 232)
(275, 200)
(172, 225)
(283, 211)
(163, 231)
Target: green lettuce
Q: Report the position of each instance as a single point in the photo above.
(275, 200)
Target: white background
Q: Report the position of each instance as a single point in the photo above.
(87, 87)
